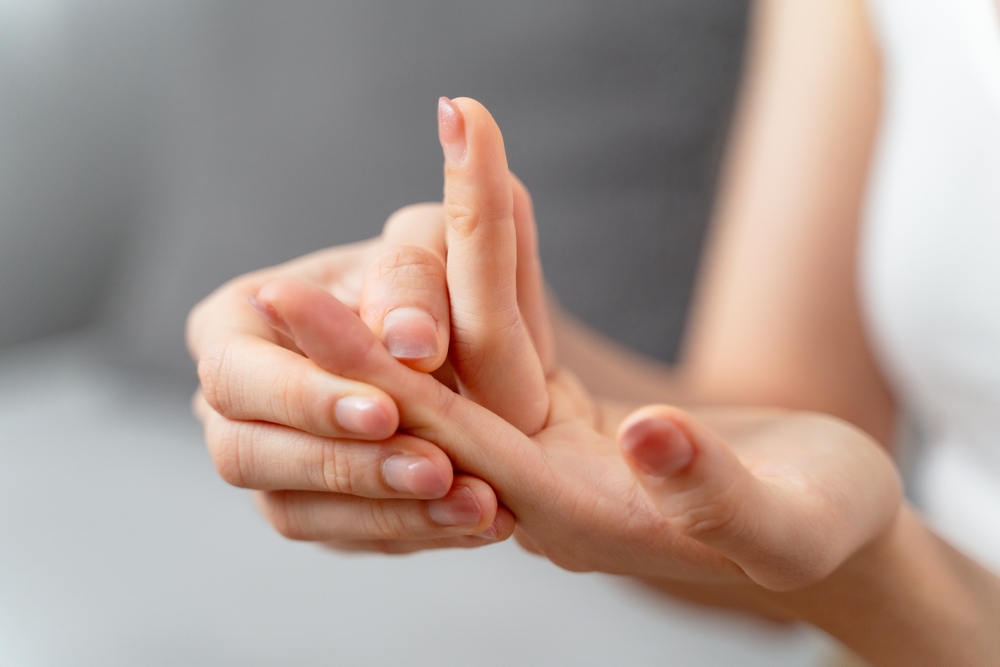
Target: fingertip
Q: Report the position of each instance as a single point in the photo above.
(471, 111)
(470, 504)
(485, 146)
(324, 329)
(656, 445)
(404, 301)
(417, 475)
(451, 131)
(410, 334)
(474, 149)
(267, 312)
(372, 417)
(648, 412)
(502, 527)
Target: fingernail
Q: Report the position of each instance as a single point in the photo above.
(451, 131)
(413, 474)
(458, 508)
(658, 446)
(269, 315)
(362, 415)
(492, 532)
(410, 333)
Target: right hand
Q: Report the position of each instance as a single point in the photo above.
(277, 423)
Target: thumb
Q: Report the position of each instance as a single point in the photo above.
(495, 361)
(706, 493)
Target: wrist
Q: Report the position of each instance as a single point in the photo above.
(905, 598)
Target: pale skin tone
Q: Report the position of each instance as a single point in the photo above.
(787, 513)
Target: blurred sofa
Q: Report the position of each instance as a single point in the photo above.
(150, 151)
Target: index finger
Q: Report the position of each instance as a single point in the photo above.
(494, 357)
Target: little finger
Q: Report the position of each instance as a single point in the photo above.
(469, 508)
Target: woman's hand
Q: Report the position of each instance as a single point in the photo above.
(782, 501)
(274, 421)
(778, 499)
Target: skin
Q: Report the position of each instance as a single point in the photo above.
(791, 514)
(774, 512)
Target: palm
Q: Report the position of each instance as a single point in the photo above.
(590, 510)
(587, 511)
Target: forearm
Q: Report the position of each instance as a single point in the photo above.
(909, 599)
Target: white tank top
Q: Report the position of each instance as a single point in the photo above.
(930, 253)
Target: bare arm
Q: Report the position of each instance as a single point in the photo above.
(775, 320)
(908, 599)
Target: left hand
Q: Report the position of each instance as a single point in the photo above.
(779, 499)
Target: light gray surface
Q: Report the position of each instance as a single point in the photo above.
(121, 547)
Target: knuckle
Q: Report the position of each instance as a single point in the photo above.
(231, 446)
(498, 324)
(224, 445)
(215, 374)
(337, 471)
(209, 308)
(296, 403)
(442, 404)
(408, 265)
(381, 520)
(462, 217)
(502, 336)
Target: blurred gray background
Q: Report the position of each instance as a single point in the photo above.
(151, 151)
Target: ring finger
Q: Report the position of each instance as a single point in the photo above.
(264, 456)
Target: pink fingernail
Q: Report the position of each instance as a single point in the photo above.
(269, 314)
(414, 474)
(658, 446)
(410, 333)
(362, 415)
(458, 508)
(451, 131)
(492, 532)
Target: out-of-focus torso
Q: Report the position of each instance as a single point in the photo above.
(930, 253)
